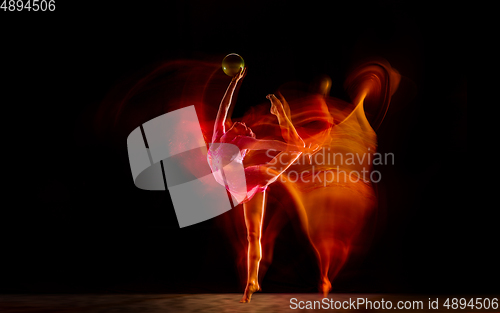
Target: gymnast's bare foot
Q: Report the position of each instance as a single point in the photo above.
(249, 291)
(276, 105)
(324, 287)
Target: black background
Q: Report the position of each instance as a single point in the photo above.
(72, 220)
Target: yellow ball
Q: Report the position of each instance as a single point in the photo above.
(232, 64)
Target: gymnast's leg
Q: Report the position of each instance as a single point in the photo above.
(254, 214)
(287, 129)
(254, 208)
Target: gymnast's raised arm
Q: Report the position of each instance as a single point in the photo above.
(220, 120)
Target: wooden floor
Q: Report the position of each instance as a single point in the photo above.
(261, 302)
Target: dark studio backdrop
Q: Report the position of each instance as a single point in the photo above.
(73, 221)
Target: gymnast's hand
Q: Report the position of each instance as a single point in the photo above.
(240, 75)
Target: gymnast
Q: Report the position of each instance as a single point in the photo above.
(256, 177)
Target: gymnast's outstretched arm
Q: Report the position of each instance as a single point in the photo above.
(250, 143)
(220, 120)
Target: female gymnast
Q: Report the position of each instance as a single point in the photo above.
(256, 177)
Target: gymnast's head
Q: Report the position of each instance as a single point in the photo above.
(237, 129)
